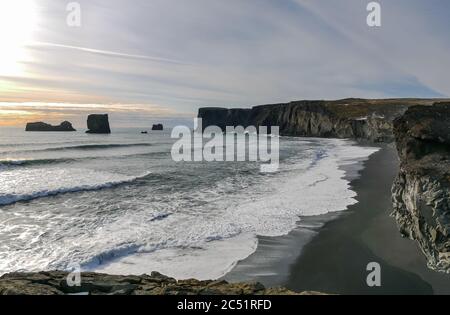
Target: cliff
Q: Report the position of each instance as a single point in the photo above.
(55, 283)
(348, 118)
(41, 126)
(421, 195)
(98, 124)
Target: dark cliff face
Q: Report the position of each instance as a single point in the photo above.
(421, 191)
(40, 126)
(98, 124)
(349, 118)
(222, 117)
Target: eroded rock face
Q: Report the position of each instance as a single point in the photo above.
(55, 283)
(421, 191)
(41, 126)
(348, 118)
(98, 124)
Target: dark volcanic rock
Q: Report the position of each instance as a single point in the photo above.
(348, 118)
(158, 127)
(421, 194)
(223, 117)
(55, 283)
(41, 126)
(98, 124)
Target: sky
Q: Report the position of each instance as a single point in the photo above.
(144, 61)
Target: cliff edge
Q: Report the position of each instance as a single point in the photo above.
(421, 191)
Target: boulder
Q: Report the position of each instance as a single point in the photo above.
(41, 126)
(98, 124)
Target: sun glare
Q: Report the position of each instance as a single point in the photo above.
(17, 24)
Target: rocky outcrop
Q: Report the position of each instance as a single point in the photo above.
(421, 191)
(223, 117)
(348, 118)
(98, 124)
(41, 126)
(55, 283)
(158, 127)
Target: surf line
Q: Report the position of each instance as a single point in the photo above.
(236, 144)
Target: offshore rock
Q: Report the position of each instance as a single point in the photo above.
(41, 126)
(98, 124)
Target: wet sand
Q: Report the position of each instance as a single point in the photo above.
(330, 253)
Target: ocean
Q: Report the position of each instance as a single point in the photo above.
(119, 204)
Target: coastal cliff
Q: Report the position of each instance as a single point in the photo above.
(55, 283)
(421, 191)
(365, 119)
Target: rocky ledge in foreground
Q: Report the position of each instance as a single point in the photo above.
(41, 126)
(366, 119)
(421, 192)
(55, 283)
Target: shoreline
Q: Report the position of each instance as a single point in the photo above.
(329, 253)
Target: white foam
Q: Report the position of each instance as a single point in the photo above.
(274, 210)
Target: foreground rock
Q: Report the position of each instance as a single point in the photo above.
(98, 124)
(348, 118)
(421, 192)
(55, 283)
(158, 127)
(41, 126)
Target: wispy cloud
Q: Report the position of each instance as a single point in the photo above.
(107, 53)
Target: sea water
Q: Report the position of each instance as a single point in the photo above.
(119, 204)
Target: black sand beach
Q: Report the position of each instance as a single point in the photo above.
(330, 253)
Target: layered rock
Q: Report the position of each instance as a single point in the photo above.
(348, 118)
(158, 127)
(98, 124)
(421, 191)
(41, 126)
(55, 283)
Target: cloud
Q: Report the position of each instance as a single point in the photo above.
(106, 53)
(185, 54)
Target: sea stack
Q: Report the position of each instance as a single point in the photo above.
(97, 123)
(158, 127)
(41, 126)
(421, 191)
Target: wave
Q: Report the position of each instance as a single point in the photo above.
(86, 147)
(8, 199)
(100, 146)
(26, 162)
(5, 164)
